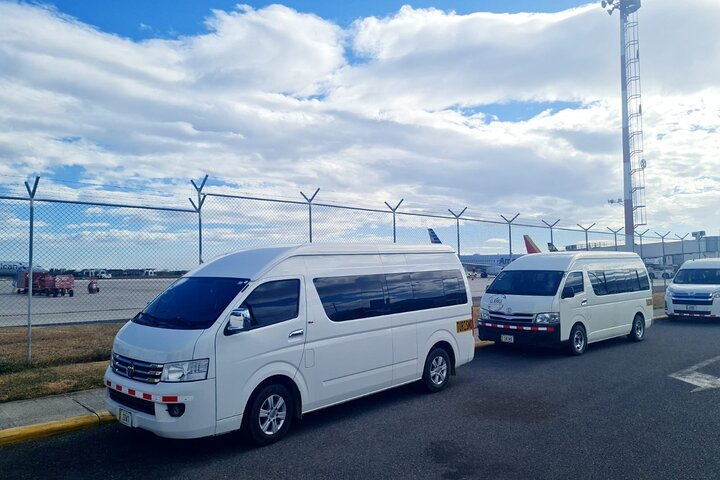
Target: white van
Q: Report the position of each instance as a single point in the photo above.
(695, 290)
(572, 298)
(261, 336)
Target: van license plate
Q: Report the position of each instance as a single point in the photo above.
(125, 417)
(691, 307)
(507, 339)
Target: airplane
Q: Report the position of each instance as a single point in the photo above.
(10, 269)
(531, 247)
(490, 264)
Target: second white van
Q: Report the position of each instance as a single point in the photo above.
(572, 298)
(261, 336)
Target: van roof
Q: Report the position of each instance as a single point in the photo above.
(702, 263)
(253, 262)
(561, 261)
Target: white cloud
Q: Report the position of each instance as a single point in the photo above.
(267, 101)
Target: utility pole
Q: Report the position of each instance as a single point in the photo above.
(632, 136)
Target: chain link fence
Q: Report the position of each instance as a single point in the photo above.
(100, 262)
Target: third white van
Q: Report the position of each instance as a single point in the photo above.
(695, 290)
(568, 298)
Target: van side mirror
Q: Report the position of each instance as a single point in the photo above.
(568, 292)
(240, 320)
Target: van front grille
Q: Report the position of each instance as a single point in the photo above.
(512, 317)
(136, 369)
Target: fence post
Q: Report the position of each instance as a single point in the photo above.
(641, 235)
(31, 194)
(615, 232)
(682, 246)
(551, 226)
(457, 225)
(198, 208)
(393, 210)
(587, 245)
(309, 202)
(509, 224)
(662, 239)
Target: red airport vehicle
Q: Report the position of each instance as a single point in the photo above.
(46, 284)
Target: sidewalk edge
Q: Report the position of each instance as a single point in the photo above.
(9, 436)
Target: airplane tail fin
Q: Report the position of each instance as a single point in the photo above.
(552, 247)
(530, 245)
(433, 236)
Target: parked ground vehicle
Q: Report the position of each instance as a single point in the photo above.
(568, 297)
(46, 284)
(660, 272)
(264, 335)
(695, 290)
(93, 286)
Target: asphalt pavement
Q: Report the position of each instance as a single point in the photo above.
(614, 412)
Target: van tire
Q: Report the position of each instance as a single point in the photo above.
(578, 340)
(437, 370)
(637, 333)
(271, 413)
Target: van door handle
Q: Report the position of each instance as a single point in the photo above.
(583, 303)
(296, 333)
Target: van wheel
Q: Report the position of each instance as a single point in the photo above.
(638, 329)
(270, 414)
(437, 370)
(578, 340)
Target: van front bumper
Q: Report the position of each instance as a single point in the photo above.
(149, 405)
(542, 335)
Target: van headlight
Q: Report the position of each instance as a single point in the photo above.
(484, 314)
(547, 318)
(190, 371)
(716, 295)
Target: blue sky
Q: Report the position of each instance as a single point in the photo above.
(141, 19)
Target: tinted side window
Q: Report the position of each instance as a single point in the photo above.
(400, 292)
(360, 296)
(597, 280)
(428, 290)
(576, 282)
(348, 298)
(644, 280)
(274, 302)
(454, 284)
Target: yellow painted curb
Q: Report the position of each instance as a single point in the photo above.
(483, 343)
(41, 430)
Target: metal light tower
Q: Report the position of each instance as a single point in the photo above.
(633, 158)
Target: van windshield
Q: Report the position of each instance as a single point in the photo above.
(539, 283)
(698, 276)
(191, 303)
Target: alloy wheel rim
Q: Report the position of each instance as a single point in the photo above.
(638, 329)
(579, 340)
(272, 414)
(438, 370)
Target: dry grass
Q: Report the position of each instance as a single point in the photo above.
(42, 381)
(659, 300)
(65, 359)
(56, 345)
